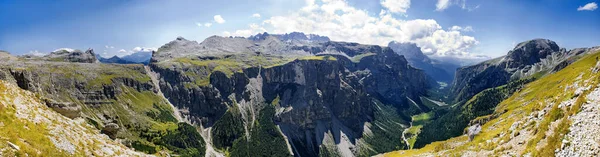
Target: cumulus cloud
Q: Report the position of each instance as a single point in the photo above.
(588, 7)
(396, 6)
(341, 22)
(218, 19)
(256, 15)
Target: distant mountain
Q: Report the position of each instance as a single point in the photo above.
(114, 59)
(135, 58)
(138, 57)
(439, 71)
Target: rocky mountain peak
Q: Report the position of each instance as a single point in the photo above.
(72, 55)
(531, 52)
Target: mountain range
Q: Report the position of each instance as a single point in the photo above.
(299, 94)
(134, 58)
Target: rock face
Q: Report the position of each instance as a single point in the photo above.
(538, 56)
(321, 103)
(440, 71)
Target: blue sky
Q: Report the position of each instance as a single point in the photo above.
(461, 29)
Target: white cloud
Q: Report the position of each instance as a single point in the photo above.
(256, 15)
(36, 53)
(123, 52)
(109, 47)
(341, 22)
(396, 6)
(218, 19)
(459, 28)
(588, 7)
(208, 24)
(442, 5)
(143, 49)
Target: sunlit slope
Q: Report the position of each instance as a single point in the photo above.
(29, 128)
(557, 115)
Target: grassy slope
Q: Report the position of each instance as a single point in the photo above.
(534, 97)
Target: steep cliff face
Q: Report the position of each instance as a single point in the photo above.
(538, 56)
(316, 105)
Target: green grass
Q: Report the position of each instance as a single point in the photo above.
(200, 70)
(321, 58)
(359, 57)
(30, 137)
(422, 118)
(417, 123)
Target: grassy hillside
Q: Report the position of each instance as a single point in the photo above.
(533, 121)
